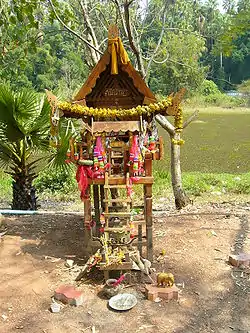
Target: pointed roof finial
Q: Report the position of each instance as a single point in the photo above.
(113, 31)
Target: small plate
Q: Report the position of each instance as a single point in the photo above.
(122, 302)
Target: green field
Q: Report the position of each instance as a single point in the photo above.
(217, 142)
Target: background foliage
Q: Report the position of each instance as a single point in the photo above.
(199, 41)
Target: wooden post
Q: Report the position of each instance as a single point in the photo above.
(102, 197)
(140, 239)
(87, 219)
(149, 220)
(148, 207)
(97, 210)
(148, 165)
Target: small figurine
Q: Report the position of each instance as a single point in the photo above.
(165, 280)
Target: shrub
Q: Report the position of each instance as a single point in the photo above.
(5, 186)
(223, 100)
(208, 88)
(194, 184)
(244, 88)
(54, 180)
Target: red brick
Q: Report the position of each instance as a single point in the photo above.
(166, 293)
(240, 259)
(69, 295)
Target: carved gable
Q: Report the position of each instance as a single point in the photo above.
(114, 91)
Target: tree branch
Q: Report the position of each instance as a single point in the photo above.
(83, 5)
(167, 59)
(158, 43)
(121, 17)
(190, 119)
(136, 52)
(72, 31)
(91, 32)
(104, 24)
(165, 124)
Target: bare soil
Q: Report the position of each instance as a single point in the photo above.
(214, 297)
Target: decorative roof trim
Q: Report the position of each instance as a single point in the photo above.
(100, 67)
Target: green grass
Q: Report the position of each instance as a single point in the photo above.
(5, 187)
(217, 142)
(197, 183)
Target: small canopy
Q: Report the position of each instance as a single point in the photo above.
(114, 82)
(114, 90)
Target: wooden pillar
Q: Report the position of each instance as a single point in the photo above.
(140, 238)
(149, 220)
(102, 197)
(87, 218)
(148, 165)
(96, 196)
(148, 207)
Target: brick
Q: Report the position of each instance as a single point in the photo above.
(240, 259)
(69, 295)
(166, 293)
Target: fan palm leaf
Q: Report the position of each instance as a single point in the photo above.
(24, 132)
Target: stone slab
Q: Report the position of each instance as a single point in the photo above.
(69, 295)
(166, 293)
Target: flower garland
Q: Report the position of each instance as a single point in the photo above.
(178, 124)
(160, 107)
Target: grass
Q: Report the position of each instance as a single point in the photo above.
(197, 183)
(5, 187)
(217, 142)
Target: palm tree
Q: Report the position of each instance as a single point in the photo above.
(24, 134)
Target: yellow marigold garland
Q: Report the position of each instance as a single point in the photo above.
(178, 121)
(82, 110)
(178, 142)
(178, 124)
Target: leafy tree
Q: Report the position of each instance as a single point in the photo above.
(173, 44)
(24, 133)
(181, 68)
(55, 63)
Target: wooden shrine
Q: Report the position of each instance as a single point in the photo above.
(118, 142)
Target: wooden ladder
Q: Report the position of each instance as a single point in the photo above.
(125, 214)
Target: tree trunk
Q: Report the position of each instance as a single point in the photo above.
(181, 199)
(24, 194)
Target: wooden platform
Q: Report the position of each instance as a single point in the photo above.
(121, 180)
(116, 267)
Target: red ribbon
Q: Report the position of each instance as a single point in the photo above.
(83, 172)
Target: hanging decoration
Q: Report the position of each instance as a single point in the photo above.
(54, 118)
(151, 109)
(135, 157)
(82, 174)
(178, 124)
(100, 159)
(118, 53)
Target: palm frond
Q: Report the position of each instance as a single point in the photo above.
(8, 154)
(40, 131)
(9, 127)
(27, 108)
(42, 122)
(57, 159)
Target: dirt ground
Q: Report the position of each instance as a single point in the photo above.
(214, 297)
